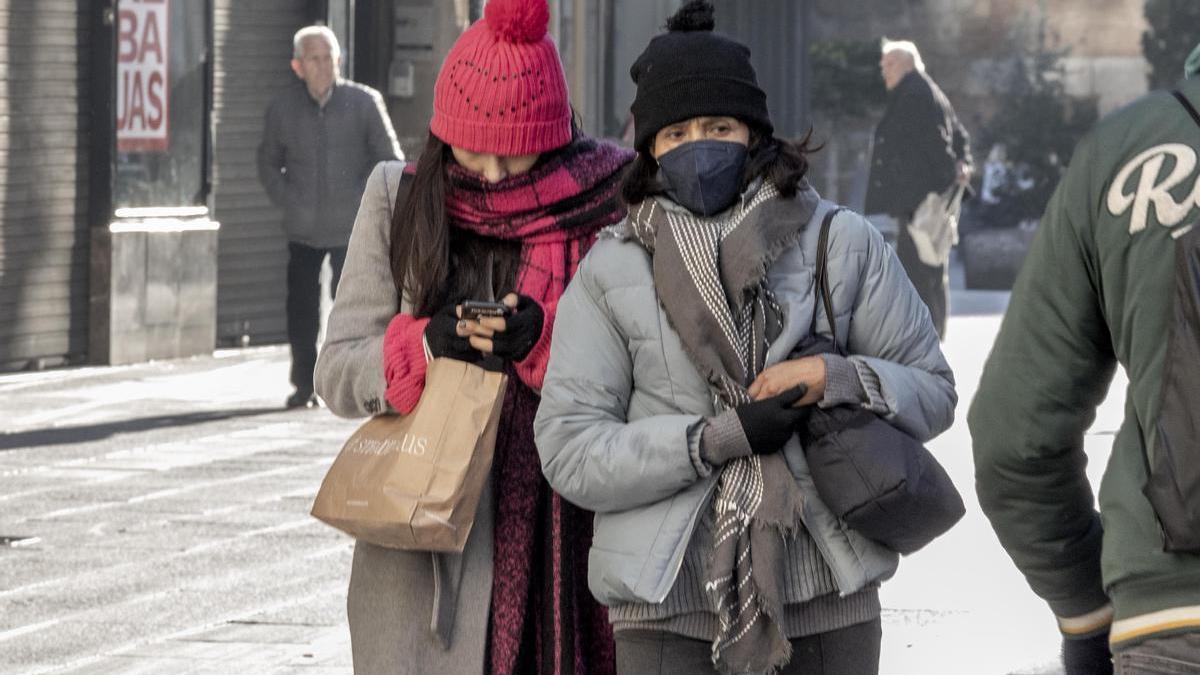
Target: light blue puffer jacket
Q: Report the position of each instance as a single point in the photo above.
(622, 406)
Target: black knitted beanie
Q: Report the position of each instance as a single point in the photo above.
(689, 71)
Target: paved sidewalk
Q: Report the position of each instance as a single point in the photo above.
(166, 510)
(166, 506)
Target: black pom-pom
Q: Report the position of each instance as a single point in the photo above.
(694, 16)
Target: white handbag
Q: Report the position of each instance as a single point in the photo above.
(934, 226)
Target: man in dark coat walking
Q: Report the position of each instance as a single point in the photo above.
(920, 147)
(321, 138)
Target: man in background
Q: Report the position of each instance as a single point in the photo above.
(919, 148)
(321, 138)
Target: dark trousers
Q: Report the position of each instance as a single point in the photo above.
(1160, 656)
(853, 650)
(932, 283)
(304, 305)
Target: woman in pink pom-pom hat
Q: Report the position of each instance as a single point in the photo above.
(507, 197)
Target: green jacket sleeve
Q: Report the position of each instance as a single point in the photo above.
(1048, 371)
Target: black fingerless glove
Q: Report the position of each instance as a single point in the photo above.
(1087, 656)
(769, 423)
(443, 340)
(522, 330)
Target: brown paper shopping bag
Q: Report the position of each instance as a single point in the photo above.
(413, 481)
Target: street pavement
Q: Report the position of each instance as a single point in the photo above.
(157, 522)
(166, 507)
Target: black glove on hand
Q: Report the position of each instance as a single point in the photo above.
(521, 332)
(1087, 656)
(769, 423)
(443, 339)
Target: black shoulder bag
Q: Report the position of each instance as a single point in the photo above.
(882, 482)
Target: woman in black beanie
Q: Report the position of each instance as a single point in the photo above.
(684, 362)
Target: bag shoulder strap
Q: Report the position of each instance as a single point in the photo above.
(822, 276)
(402, 194)
(1187, 105)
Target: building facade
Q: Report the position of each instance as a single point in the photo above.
(132, 225)
(132, 221)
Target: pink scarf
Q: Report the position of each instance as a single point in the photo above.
(554, 210)
(540, 560)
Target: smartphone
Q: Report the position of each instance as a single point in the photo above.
(479, 309)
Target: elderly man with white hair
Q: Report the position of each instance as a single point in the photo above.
(322, 136)
(920, 148)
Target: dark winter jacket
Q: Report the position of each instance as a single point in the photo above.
(916, 148)
(314, 161)
(1099, 289)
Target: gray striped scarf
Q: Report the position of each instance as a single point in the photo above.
(710, 275)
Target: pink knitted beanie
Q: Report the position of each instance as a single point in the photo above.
(501, 89)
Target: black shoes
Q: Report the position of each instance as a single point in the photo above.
(301, 399)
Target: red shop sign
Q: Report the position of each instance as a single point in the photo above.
(142, 32)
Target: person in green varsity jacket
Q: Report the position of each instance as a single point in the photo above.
(1113, 277)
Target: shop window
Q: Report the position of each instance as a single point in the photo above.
(162, 116)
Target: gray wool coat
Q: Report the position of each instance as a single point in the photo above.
(622, 404)
(409, 612)
(314, 161)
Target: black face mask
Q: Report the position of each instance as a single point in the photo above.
(704, 177)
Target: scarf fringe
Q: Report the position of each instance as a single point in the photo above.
(790, 528)
(787, 526)
(778, 662)
(785, 650)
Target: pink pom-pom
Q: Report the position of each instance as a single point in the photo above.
(518, 20)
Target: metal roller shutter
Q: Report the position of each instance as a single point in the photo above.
(774, 31)
(252, 46)
(43, 183)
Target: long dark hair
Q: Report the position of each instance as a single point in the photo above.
(434, 264)
(784, 163)
(420, 233)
